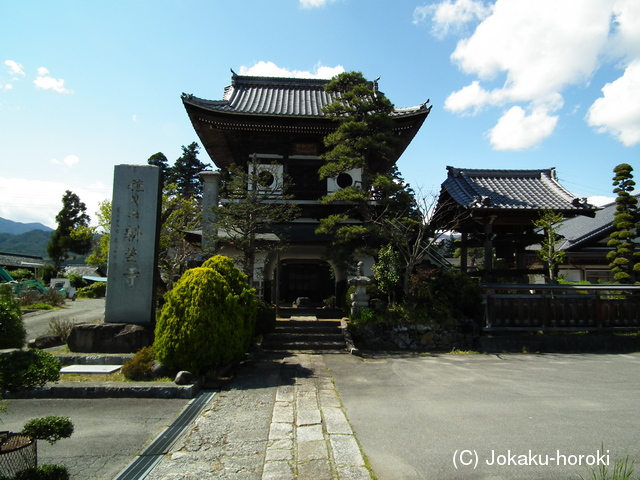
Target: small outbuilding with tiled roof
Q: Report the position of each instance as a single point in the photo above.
(495, 209)
(585, 240)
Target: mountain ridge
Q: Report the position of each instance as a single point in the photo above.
(18, 228)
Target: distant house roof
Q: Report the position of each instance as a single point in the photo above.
(579, 231)
(488, 190)
(298, 97)
(21, 261)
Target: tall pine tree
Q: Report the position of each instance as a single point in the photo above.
(73, 234)
(624, 260)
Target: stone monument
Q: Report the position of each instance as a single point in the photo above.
(360, 299)
(133, 247)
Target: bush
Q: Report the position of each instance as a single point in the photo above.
(26, 370)
(208, 318)
(12, 331)
(61, 327)
(139, 367)
(95, 290)
(50, 428)
(447, 294)
(43, 472)
(53, 297)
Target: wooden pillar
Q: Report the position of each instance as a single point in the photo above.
(488, 249)
(464, 255)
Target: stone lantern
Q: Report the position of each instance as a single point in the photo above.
(360, 299)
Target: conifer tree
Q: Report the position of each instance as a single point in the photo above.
(624, 260)
(73, 234)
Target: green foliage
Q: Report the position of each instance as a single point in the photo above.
(95, 290)
(53, 297)
(139, 367)
(549, 221)
(73, 234)
(50, 428)
(365, 128)
(446, 294)
(12, 331)
(622, 470)
(43, 472)
(25, 370)
(208, 318)
(184, 173)
(28, 243)
(386, 270)
(624, 260)
(21, 274)
(251, 209)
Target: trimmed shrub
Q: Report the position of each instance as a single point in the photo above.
(43, 472)
(207, 319)
(26, 370)
(95, 290)
(50, 428)
(139, 367)
(12, 331)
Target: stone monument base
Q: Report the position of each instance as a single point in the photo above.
(109, 338)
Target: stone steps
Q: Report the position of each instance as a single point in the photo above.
(307, 334)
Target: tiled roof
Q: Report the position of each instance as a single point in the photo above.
(579, 230)
(277, 96)
(511, 190)
(21, 261)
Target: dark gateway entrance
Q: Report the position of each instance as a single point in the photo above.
(311, 278)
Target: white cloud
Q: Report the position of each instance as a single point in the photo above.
(14, 67)
(600, 200)
(69, 161)
(45, 82)
(314, 3)
(626, 38)
(26, 200)
(451, 16)
(524, 52)
(517, 130)
(618, 110)
(270, 69)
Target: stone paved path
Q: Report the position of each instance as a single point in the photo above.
(281, 419)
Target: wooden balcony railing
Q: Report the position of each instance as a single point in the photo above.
(561, 307)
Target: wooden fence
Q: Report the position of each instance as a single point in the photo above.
(561, 307)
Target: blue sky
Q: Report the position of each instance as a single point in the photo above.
(87, 85)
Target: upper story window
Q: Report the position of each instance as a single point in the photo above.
(349, 178)
(268, 176)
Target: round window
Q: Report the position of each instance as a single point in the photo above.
(266, 178)
(344, 180)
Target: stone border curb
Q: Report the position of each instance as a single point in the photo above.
(111, 390)
(353, 350)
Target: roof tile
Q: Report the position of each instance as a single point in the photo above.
(510, 189)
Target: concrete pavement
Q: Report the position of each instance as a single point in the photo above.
(451, 416)
(296, 415)
(108, 433)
